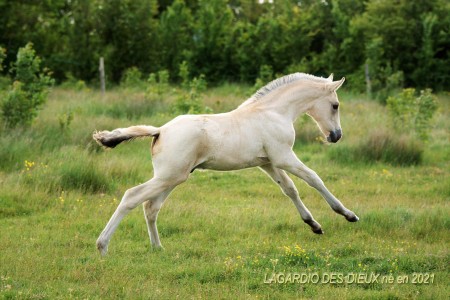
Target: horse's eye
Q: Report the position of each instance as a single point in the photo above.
(335, 106)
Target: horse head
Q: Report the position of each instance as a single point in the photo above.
(325, 111)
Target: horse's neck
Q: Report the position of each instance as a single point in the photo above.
(290, 101)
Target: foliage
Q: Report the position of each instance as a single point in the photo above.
(404, 43)
(127, 30)
(190, 101)
(4, 81)
(413, 114)
(383, 79)
(29, 90)
(184, 75)
(65, 120)
(403, 140)
(2, 57)
(132, 77)
(175, 35)
(72, 83)
(265, 76)
(157, 84)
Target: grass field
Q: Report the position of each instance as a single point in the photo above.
(226, 234)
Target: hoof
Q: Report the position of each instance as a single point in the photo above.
(353, 218)
(157, 248)
(318, 231)
(102, 248)
(315, 227)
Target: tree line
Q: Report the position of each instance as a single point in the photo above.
(395, 43)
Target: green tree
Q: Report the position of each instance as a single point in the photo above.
(212, 40)
(29, 91)
(175, 35)
(400, 34)
(412, 112)
(127, 30)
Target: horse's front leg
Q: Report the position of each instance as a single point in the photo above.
(290, 163)
(287, 186)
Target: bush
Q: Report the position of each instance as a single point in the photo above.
(74, 84)
(412, 113)
(184, 75)
(190, 100)
(158, 84)
(131, 78)
(29, 90)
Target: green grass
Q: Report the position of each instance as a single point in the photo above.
(223, 232)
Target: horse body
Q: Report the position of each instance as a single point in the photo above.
(259, 133)
(212, 142)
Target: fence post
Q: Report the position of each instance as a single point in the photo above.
(368, 83)
(102, 75)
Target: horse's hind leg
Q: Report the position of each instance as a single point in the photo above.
(289, 189)
(150, 190)
(151, 210)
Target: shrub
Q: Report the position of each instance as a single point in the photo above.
(131, 78)
(158, 84)
(184, 74)
(413, 113)
(29, 90)
(190, 100)
(65, 120)
(74, 84)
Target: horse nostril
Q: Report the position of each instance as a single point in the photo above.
(335, 136)
(338, 134)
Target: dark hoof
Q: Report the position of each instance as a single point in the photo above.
(354, 218)
(318, 231)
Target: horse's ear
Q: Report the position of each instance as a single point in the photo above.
(336, 84)
(330, 78)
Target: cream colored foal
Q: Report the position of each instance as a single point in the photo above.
(259, 133)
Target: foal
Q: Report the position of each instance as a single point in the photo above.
(259, 133)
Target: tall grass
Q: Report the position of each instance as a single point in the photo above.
(382, 146)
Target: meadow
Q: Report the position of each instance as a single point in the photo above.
(227, 235)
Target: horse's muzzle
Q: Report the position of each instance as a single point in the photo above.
(334, 136)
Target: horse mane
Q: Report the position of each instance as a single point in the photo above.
(282, 81)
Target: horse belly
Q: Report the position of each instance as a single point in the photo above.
(232, 164)
(229, 153)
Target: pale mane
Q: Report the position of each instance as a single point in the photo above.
(277, 83)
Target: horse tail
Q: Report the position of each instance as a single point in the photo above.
(111, 139)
